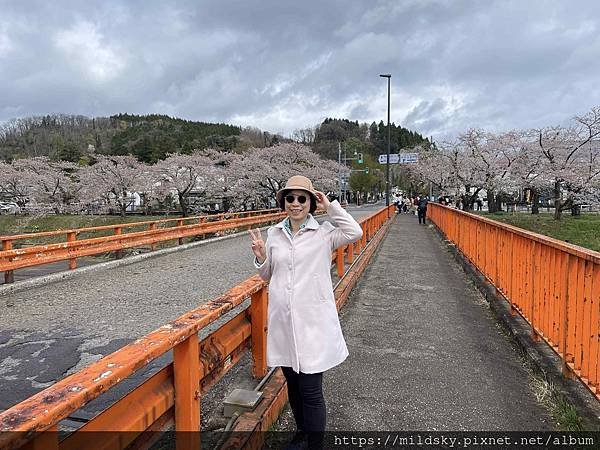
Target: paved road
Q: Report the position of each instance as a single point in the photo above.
(54, 330)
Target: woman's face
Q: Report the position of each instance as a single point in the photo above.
(296, 209)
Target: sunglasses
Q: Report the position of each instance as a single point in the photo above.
(301, 198)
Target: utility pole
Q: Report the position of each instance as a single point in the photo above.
(387, 166)
(340, 171)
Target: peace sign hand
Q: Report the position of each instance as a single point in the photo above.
(258, 246)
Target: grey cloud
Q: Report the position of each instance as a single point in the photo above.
(282, 66)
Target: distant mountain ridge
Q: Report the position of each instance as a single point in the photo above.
(149, 137)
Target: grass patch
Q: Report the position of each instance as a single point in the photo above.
(563, 413)
(581, 230)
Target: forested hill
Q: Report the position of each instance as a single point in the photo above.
(149, 138)
(371, 139)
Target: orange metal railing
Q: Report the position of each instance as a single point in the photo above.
(555, 286)
(172, 395)
(157, 231)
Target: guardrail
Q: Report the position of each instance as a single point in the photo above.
(157, 231)
(172, 395)
(553, 285)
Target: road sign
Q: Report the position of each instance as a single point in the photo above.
(408, 158)
(394, 158)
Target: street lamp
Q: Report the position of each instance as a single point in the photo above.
(387, 165)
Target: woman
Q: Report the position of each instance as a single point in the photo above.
(304, 334)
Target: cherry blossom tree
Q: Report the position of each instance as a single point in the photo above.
(274, 165)
(434, 166)
(199, 175)
(527, 170)
(52, 183)
(564, 154)
(15, 183)
(244, 190)
(564, 160)
(113, 179)
(260, 172)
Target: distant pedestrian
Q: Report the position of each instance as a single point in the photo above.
(479, 204)
(422, 209)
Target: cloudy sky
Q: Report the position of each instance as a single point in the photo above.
(282, 65)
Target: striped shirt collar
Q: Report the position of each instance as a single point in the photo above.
(287, 225)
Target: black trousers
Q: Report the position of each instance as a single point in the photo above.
(305, 393)
(422, 213)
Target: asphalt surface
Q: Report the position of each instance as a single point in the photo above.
(425, 351)
(51, 331)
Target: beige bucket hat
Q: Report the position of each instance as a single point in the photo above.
(296, 182)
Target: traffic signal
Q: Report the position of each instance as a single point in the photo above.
(367, 170)
(360, 158)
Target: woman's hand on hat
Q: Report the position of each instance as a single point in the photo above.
(322, 200)
(258, 245)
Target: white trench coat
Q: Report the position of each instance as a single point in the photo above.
(304, 330)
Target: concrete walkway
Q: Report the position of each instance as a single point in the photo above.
(425, 351)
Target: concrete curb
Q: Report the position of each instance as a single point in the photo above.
(539, 354)
(6, 289)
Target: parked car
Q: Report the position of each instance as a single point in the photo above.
(9, 208)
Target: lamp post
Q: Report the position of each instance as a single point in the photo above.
(387, 165)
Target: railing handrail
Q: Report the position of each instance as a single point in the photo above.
(573, 249)
(33, 235)
(554, 286)
(136, 234)
(12, 259)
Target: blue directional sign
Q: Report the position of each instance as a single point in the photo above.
(400, 158)
(394, 158)
(409, 158)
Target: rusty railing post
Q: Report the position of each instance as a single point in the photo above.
(186, 374)
(71, 237)
(350, 256)
(535, 289)
(9, 275)
(180, 224)
(258, 319)
(566, 371)
(339, 261)
(202, 221)
(118, 232)
(152, 226)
